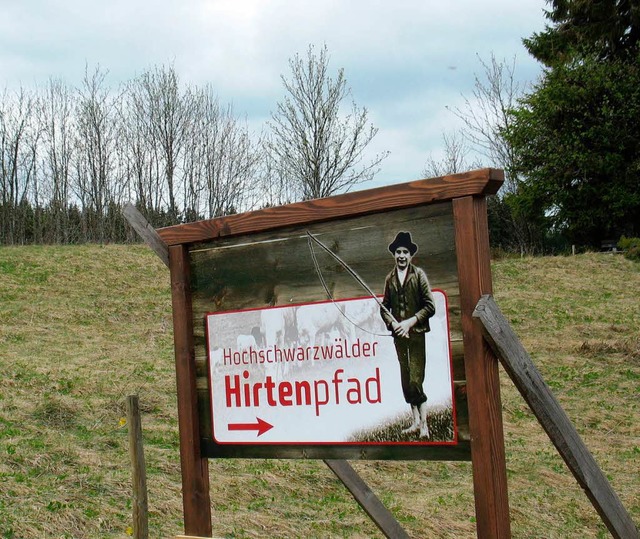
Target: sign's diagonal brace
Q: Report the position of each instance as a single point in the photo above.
(526, 377)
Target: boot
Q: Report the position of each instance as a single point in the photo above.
(415, 426)
(422, 413)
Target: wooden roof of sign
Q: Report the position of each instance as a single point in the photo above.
(480, 182)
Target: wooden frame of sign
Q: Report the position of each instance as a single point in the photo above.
(448, 217)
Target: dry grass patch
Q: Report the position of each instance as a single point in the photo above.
(82, 327)
(579, 317)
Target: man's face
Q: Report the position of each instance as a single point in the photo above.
(403, 257)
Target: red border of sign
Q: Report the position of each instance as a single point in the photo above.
(259, 442)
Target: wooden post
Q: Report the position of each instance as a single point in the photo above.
(481, 369)
(138, 470)
(195, 468)
(553, 419)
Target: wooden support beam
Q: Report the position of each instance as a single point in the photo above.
(380, 515)
(195, 467)
(391, 197)
(526, 377)
(146, 232)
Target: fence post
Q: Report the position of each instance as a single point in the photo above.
(138, 470)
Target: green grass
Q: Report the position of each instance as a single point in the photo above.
(83, 327)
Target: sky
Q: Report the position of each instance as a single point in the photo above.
(409, 62)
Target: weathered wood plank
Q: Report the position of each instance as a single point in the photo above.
(459, 452)
(146, 232)
(479, 182)
(366, 498)
(277, 269)
(195, 466)
(483, 384)
(526, 377)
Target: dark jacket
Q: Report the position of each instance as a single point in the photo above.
(412, 298)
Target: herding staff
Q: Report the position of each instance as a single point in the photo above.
(351, 272)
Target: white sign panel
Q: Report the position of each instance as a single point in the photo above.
(321, 373)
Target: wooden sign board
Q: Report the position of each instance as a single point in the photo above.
(260, 295)
(228, 271)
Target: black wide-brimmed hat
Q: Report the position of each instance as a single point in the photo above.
(403, 239)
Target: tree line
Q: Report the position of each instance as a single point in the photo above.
(70, 158)
(569, 144)
(576, 136)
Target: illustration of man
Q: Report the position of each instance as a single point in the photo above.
(406, 308)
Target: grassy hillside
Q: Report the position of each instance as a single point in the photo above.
(82, 327)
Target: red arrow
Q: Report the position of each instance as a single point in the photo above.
(261, 426)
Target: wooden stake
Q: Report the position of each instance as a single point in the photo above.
(138, 470)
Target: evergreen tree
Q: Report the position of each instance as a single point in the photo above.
(607, 28)
(576, 137)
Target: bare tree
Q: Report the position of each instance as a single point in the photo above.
(95, 161)
(221, 163)
(486, 114)
(486, 117)
(19, 135)
(312, 145)
(455, 159)
(141, 161)
(166, 118)
(57, 121)
(276, 188)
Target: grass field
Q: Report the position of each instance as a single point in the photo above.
(82, 327)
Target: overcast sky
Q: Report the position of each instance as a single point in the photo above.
(406, 61)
